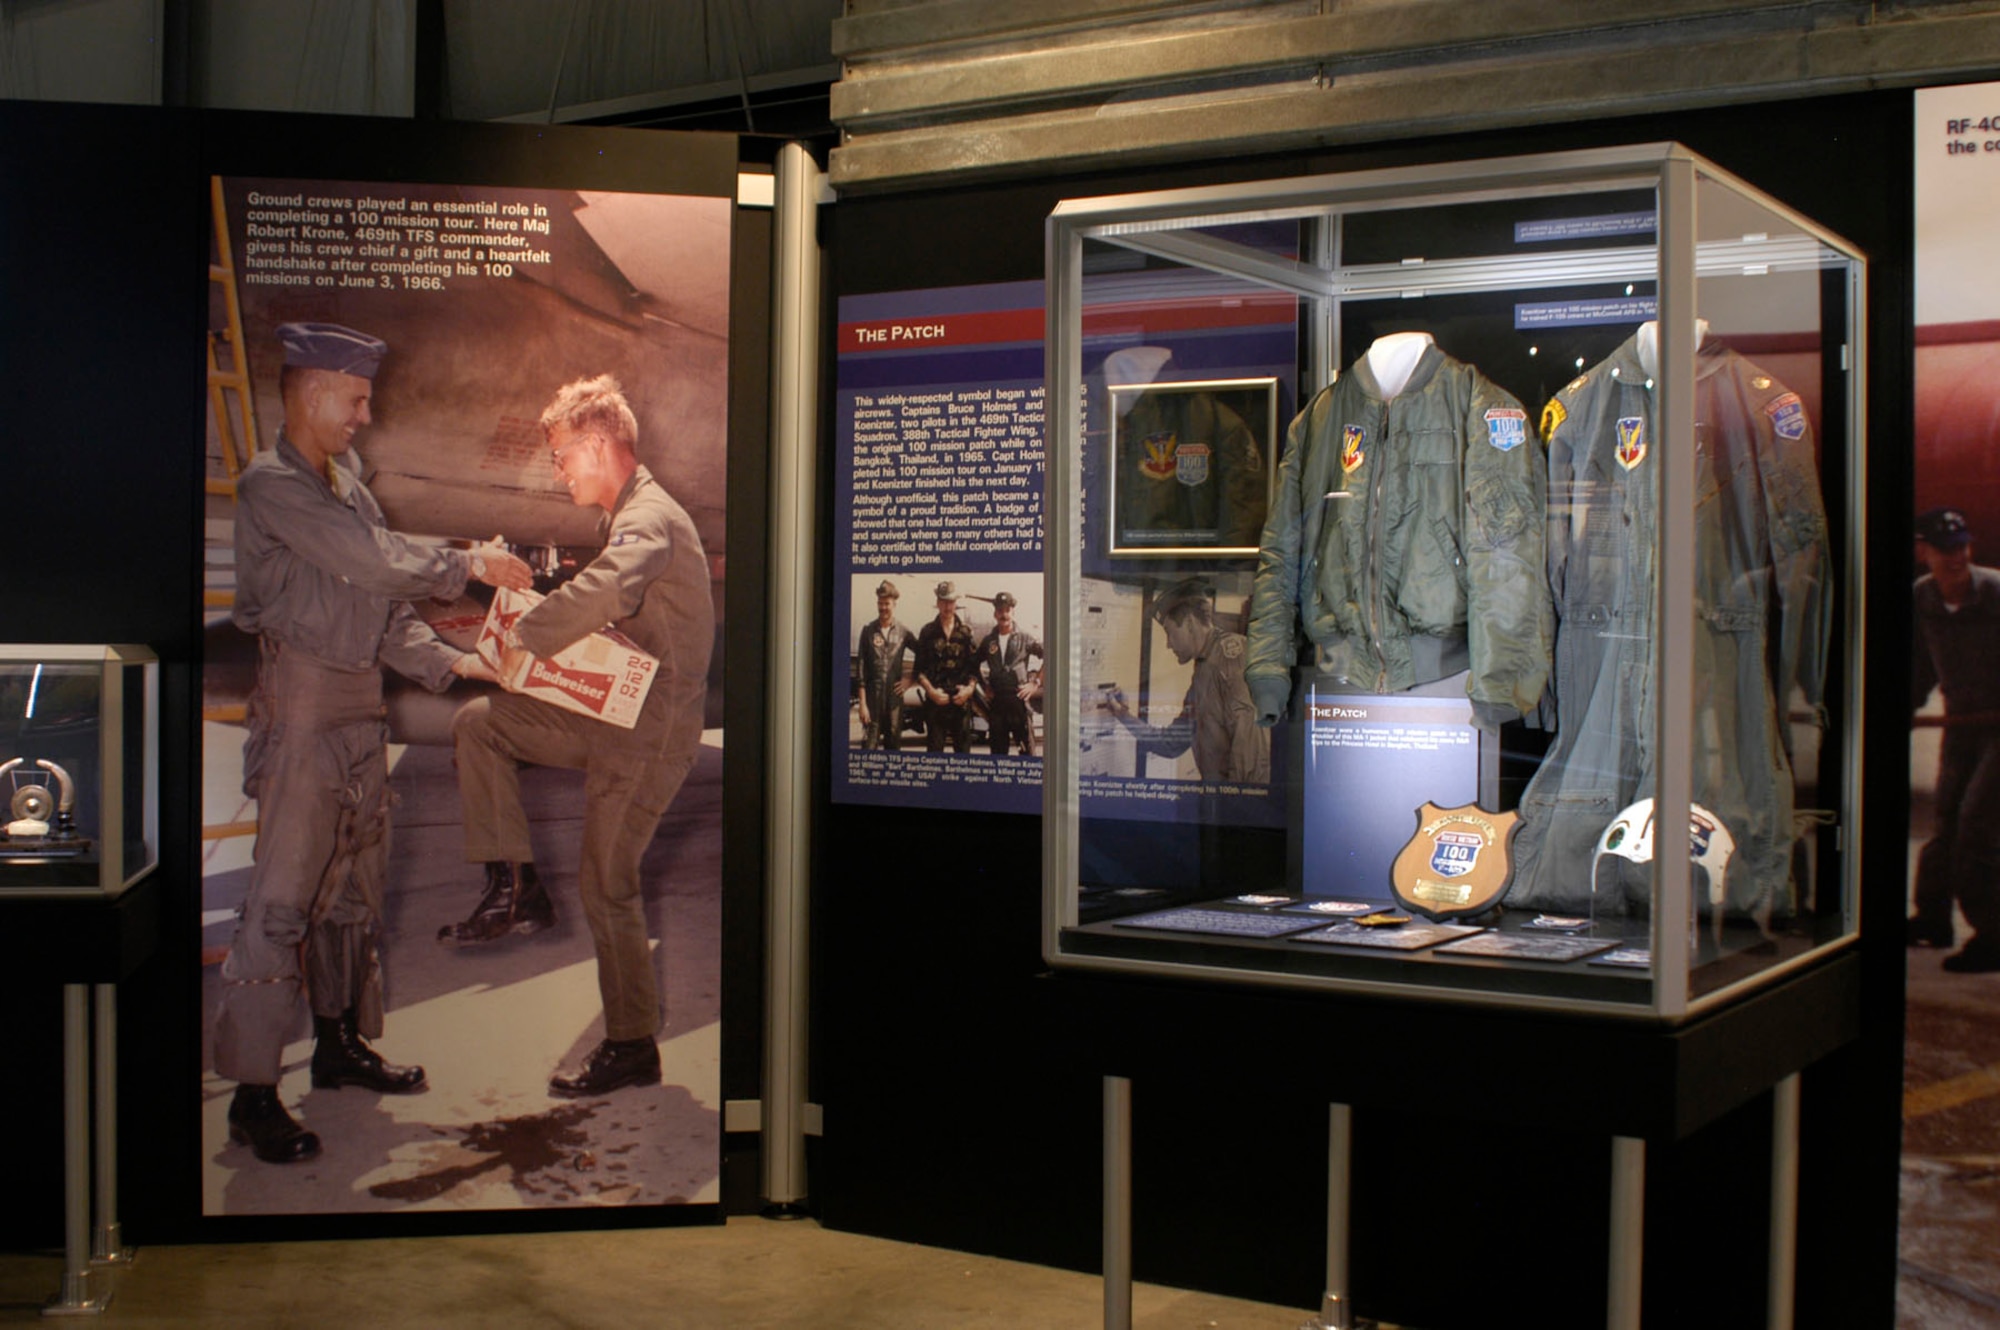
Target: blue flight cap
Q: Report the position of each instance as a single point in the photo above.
(1943, 529)
(330, 346)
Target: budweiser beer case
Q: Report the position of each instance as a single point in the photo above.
(604, 676)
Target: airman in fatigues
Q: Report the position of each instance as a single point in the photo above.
(325, 587)
(1217, 718)
(879, 653)
(1007, 683)
(945, 672)
(651, 583)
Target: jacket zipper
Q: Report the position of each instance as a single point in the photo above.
(1375, 557)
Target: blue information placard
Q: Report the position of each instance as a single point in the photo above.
(1370, 763)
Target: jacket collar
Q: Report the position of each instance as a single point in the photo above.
(1625, 366)
(345, 467)
(1427, 368)
(640, 476)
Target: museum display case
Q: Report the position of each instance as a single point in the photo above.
(1558, 549)
(79, 768)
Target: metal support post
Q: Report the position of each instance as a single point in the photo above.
(788, 747)
(1117, 1203)
(1336, 1309)
(1784, 1202)
(107, 1245)
(1628, 1231)
(75, 1299)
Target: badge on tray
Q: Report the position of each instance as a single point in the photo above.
(1459, 864)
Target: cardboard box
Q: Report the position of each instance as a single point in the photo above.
(604, 676)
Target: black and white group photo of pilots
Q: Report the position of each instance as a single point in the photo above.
(946, 662)
(461, 697)
(1163, 694)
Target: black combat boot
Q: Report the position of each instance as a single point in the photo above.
(533, 910)
(1980, 955)
(613, 1064)
(515, 902)
(342, 1057)
(258, 1119)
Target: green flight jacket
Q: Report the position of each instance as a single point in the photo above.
(1189, 474)
(1407, 535)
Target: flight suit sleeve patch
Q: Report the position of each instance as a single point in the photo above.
(1788, 416)
(1506, 427)
(1553, 415)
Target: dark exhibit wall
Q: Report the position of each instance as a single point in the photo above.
(104, 228)
(100, 211)
(961, 1079)
(101, 206)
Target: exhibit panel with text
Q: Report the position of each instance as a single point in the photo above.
(940, 426)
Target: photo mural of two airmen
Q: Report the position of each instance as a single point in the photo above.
(462, 745)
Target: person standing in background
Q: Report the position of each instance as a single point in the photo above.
(1957, 649)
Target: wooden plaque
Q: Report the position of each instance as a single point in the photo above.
(1459, 864)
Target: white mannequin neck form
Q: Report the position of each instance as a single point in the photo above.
(1131, 367)
(1649, 344)
(1392, 359)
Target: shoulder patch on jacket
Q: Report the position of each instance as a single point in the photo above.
(1506, 427)
(1553, 415)
(1351, 454)
(1788, 416)
(1631, 441)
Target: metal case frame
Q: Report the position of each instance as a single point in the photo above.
(1164, 223)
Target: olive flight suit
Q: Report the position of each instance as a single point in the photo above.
(324, 584)
(651, 583)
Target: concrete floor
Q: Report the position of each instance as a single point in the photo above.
(1949, 1237)
(1949, 1248)
(751, 1273)
(490, 1023)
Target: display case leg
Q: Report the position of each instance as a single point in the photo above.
(1784, 1202)
(1117, 1203)
(1628, 1231)
(107, 1245)
(1336, 1309)
(75, 1298)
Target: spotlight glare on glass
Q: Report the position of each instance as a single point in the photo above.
(1534, 350)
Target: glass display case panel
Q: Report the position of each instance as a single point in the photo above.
(1776, 365)
(1412, 737)
(79, 762)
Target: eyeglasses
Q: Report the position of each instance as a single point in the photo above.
(556, 454)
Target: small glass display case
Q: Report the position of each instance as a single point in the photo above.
(79, 768)
(1445, 535)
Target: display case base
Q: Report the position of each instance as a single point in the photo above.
(107, 1246)
(75, 1298)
